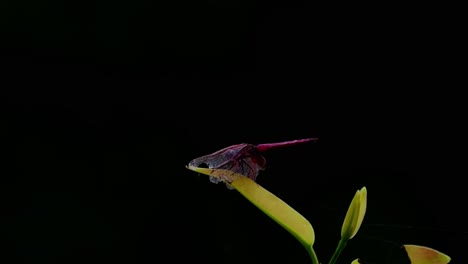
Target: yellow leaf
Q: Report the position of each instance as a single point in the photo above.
(425, 255)
(271, 205)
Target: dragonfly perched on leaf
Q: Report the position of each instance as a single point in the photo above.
(245, 159)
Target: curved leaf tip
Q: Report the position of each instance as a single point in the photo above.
(271, 205)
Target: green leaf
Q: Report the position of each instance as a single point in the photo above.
(356, 261)
(425, 255)
(271, 205)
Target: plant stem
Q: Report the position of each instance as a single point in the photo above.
(339, 249)
(312, 255)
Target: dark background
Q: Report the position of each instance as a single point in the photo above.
(107, 101)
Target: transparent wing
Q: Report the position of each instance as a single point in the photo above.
(243, 159)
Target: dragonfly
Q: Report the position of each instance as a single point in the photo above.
(244, 159)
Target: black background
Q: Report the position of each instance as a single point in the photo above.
(107, 101)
